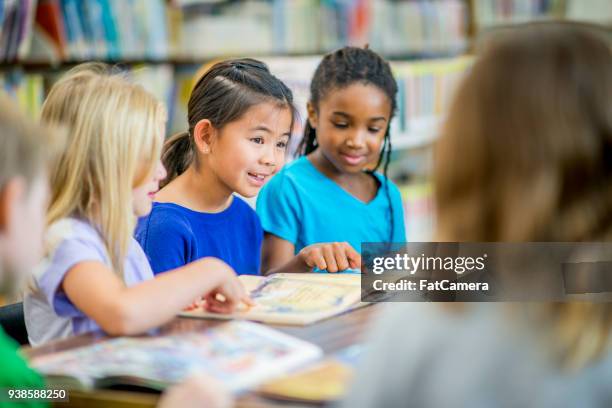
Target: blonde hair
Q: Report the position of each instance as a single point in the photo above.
(112, 126)
(526, 155)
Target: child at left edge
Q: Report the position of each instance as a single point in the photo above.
(26, 149)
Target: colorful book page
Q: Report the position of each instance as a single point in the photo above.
(239, 354)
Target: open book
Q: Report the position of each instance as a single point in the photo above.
(239, 354)
(294, 298)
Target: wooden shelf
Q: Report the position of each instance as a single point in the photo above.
(178, 61)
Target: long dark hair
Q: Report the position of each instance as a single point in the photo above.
(340, 69)
(222, 95)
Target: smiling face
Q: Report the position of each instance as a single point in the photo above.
(245, 153)
(351, 123)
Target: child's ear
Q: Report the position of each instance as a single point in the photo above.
(203, 134)
(312, 115)
(11, 197)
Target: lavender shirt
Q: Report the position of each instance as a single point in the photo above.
(49, 314)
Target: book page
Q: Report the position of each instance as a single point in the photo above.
(345, 278)
(288, 300)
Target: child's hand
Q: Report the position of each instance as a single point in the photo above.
(198, 390)
(198, 303)
(332, 256)
(228, 294)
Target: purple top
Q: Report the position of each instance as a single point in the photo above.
(49, 314)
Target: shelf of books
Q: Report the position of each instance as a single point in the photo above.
(487, 14)
(163, 44)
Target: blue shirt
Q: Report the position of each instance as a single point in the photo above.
(303, 206)
(173, 236)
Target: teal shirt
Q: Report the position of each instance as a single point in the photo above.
(303, 206)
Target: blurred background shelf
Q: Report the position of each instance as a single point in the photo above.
(165, 44)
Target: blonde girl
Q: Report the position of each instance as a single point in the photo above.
(94, 274)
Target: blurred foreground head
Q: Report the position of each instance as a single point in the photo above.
(526, 153)
(25, 152)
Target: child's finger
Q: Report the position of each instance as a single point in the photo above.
(217, 307)
(245, 297)
(315, 259)
(248, 301)
(341, 256)
(353, 257)
(330, 259)
(232, 294)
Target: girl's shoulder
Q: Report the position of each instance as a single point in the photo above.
(296, 176)
(72, 228)
(73, 235)
(296, 170)
(382, 179)
(168, 215)
(243, 210)
(386, 181)
(165, 221)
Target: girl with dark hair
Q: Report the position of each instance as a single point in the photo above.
(240, 120)
(333, 192)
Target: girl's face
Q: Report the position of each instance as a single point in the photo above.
(351, 123)
(143, 194)
(245, 153)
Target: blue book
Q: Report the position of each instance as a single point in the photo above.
(109, 29)
(74, 32)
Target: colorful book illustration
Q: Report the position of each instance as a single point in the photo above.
(294, 298)
(241, 355)
(322, 382)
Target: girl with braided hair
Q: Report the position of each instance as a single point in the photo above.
(333, 192)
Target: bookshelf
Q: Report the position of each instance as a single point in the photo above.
(162, 44)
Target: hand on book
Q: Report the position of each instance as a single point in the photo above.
(330, 256)
(198, 390)
(227, 296)
(225, 291)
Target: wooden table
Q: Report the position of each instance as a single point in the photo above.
(331, 335)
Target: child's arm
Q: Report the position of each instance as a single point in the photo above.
(278, 256)
(97, 291)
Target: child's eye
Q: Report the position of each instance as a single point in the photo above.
(258, 140)
(374, 130)
(341, 125)
(281, 145)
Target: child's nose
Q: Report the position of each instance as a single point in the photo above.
(356, 139)
(268, 157)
